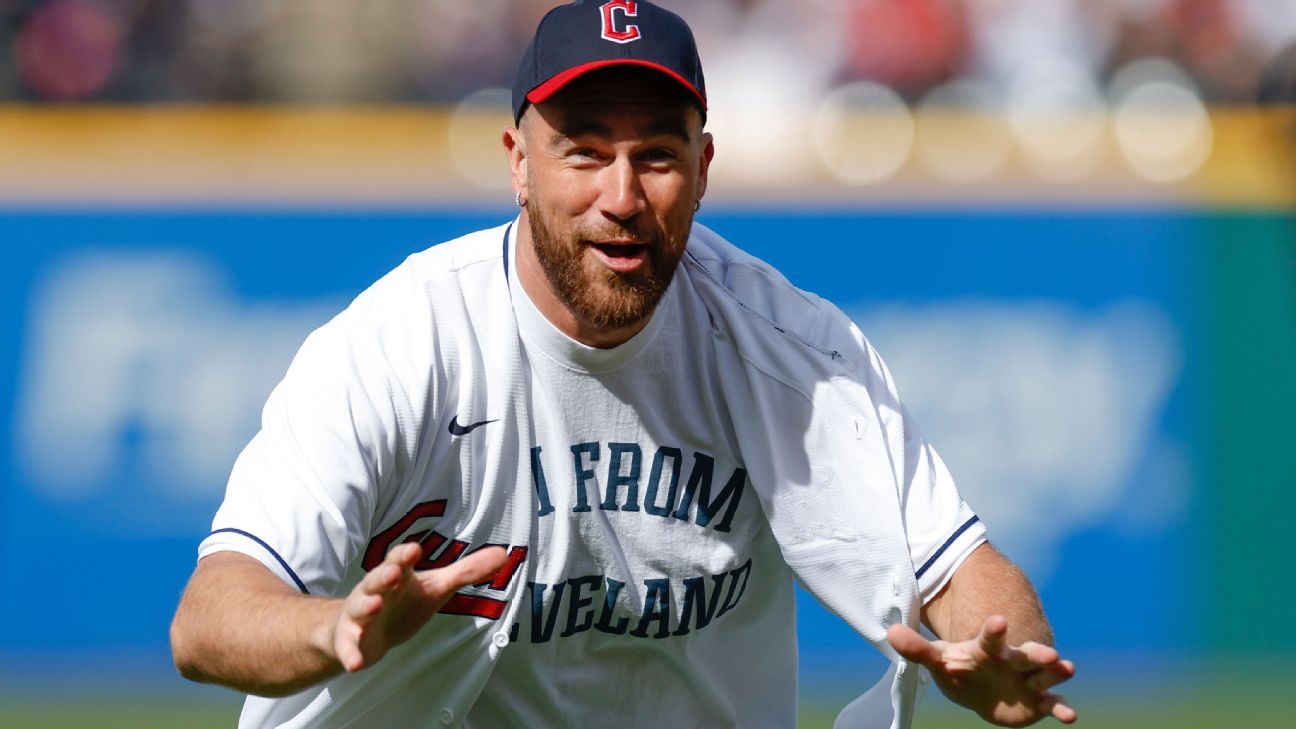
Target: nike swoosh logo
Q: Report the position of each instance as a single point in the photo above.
(457, 429)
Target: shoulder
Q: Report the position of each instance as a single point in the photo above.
(741, 272)
(747, 293)
(421, 314)
(443, 273)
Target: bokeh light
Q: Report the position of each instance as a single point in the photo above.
(1059, 118)
(863, 133)
(961, 133)
(68, 50)
(1160, 121)
(757, 100)
(473, 137)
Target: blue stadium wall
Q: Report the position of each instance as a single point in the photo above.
(1111, 388)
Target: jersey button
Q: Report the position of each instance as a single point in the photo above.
(500, 639)
(447, 716)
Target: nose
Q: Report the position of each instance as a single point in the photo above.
(622, 194)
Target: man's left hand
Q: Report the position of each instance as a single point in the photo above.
(1005, 685)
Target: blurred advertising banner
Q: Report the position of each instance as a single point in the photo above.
(1107, 374)
(860, 145)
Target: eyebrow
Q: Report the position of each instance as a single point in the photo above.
(662, 126)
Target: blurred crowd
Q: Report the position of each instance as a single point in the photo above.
(371, 51)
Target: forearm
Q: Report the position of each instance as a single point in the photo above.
(986, 584)
(239, 626)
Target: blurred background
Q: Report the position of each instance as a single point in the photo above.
(1068, 225)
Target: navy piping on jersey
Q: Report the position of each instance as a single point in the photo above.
(506, 235)
(300, 585)
(927, 565)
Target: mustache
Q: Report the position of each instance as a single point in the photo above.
(590, 235)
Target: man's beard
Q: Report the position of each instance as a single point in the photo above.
(601, 298)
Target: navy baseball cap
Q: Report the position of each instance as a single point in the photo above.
(574, 39)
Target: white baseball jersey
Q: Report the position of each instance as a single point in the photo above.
(656, 499)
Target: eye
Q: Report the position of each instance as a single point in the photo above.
(584, 156)
(659, 154)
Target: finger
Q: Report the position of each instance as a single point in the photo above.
(910, 644)
(991, 638)
(389, 575)
(405, 555)
(347, 648)
(479, 566)
(1050, 676)
(351, 659)
(362, 608)
(1029, 656)
(1056, 706)
(383, 578)
(1039, 654)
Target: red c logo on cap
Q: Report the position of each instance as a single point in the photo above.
(629, 10)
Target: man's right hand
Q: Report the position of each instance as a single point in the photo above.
(393, 601)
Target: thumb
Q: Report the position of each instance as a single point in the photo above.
(910, 644)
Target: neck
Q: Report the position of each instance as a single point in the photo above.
(536, 285)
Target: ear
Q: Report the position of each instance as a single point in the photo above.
(704, 163)
(515, 148)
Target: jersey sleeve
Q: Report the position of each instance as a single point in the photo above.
(302, 494)
(940, 527)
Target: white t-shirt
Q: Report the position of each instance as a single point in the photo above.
(657, 498)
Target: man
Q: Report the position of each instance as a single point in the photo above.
(564, 471)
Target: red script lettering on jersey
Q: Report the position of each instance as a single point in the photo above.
(438, 553)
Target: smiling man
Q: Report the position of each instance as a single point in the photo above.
(565, 472)
(612, 168)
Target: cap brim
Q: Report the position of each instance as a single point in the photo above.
(547, 89)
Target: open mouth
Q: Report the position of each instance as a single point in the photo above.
(621, 250)
(621, 257)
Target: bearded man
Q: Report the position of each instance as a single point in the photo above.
(565, 471)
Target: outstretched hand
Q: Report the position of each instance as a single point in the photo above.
(1005, 685)
(393, 601)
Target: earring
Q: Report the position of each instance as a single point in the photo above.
(517, 200)
(697, 205)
